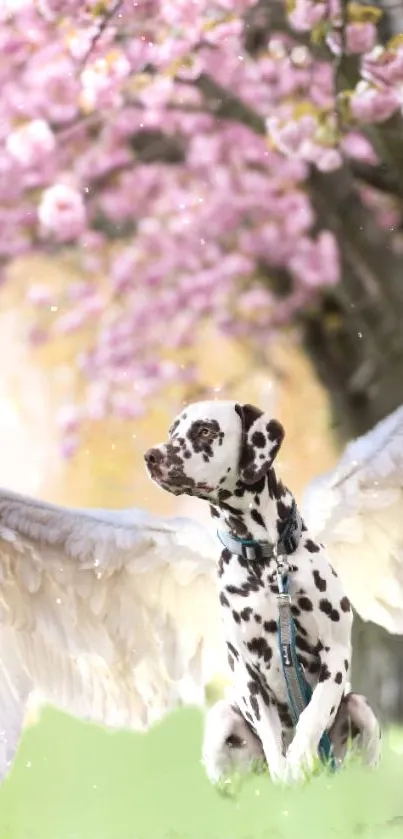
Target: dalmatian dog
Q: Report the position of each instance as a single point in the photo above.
(223, 452)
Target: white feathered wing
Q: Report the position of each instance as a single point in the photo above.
(110, 615)
(357, 512)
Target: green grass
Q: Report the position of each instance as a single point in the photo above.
(76, 781)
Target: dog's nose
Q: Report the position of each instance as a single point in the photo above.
(153, 457)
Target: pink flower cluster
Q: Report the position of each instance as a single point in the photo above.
(111, 140)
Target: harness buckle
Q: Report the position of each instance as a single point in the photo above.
(284, 597)
(251, 552)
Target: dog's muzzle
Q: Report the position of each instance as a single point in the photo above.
(156, 464)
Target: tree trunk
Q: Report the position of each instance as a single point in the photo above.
(355, 340)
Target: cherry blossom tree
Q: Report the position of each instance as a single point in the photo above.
(232, 160)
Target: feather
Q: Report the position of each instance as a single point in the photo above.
(110, 615)
(357, 512)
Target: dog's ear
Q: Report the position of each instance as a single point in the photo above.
(261, 440)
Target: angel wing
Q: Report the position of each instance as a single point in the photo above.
(357, 511)
(110, 615)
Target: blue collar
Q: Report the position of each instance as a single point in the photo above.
(252, 549)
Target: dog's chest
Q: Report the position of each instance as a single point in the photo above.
(249, 607)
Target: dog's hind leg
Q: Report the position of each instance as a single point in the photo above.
(356, 721)
(230, 743)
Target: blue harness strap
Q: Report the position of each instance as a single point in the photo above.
(299, 691)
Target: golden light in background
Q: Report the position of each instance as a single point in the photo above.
(108, 470)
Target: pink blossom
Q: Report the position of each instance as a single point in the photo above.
(383, 66)
(306, 14)
(316, 263)
(69, 446)
(371, 104)
(40, 295)
(356, 145)
(361, 37)
(31, 143)
(255, 299)
(101, 81)
(127, 406)
(61, 212)
(329, 160)
(290, 136)
(69, 418)
(52, 90)
(83, 122)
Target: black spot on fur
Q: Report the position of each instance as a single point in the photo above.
(265, 695)
(258, 618)
(284, 714)
(303, 645)
(270, 626)
(253, 687)
(260, 647)
(252, 672)
(305, 603)
(338, 678)
(246, 613)
(326, 607)
(311, 546)
(324, 673)
(223, 599)
(346, 664)
(320, 583)
(255, 707)
(283, 511)
(224, 494)
(238, 526)
(214, 513)
(258, 439)
(241, 592)
(236, 616)
(345, 604)
(257, 518)
(259, 486)
(233, 650)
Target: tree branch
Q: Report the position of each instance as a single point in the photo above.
(106, 18)
(379, 177)
(225, 105)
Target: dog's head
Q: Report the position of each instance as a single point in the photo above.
(213, 448)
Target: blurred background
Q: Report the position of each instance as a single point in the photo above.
(193, 203)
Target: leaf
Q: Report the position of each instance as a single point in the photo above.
(396, 42)
(319, 32)
(363, 14)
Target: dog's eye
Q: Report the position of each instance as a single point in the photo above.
(204, 432)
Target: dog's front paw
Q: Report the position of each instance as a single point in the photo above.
(300, 763)
(278, 773)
